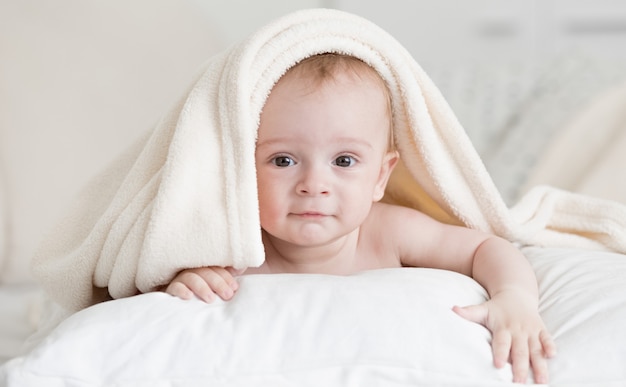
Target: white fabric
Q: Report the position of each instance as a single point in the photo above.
(186, 196)
(389, 327)
(280, 330)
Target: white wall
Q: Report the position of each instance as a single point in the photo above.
(235, 19)
(496, 30)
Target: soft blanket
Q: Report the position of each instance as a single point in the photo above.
(186, 195)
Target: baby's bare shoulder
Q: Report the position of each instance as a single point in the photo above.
(387, 220)
(394, 213)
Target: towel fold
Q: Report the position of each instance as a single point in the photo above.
(186, 196)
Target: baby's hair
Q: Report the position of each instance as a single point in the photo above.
(324, 67)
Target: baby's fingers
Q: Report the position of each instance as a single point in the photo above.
(189, 283)
(547, 343)
(538, 362)
(220, 282)
(501, 347)
(180, 290)
(513, 348)
(474, 313)
(540, 351)
(531, 352)
(520, 358)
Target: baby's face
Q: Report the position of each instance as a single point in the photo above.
(320, 156)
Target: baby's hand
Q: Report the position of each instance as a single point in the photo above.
(206, 283)
(519, 334)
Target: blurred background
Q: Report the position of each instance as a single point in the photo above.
(538, 85)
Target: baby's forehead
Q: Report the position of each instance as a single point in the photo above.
(331, 73)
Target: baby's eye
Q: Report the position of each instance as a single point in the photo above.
(283, 161)
(344, 161)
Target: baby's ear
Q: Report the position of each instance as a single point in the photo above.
(389, 162)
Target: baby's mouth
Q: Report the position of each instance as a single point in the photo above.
(310, 215)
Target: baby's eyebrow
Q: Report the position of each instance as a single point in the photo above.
(269, 142)
(355, 141)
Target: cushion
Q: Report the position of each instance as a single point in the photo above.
(395, 325)
(391, 327)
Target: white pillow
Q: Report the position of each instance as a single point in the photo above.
(392, 325)
(583, 303)
(386, 327)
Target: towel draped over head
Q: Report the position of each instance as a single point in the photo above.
(186, 196)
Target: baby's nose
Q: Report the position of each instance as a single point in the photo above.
(313, 182)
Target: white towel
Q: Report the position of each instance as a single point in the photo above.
(186, 196)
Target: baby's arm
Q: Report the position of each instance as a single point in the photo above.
(205, 283)
(511, 314)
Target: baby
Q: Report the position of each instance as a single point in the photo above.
(324, 155)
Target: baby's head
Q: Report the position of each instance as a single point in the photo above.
(324, 151)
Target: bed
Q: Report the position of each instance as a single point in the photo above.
(313, 329)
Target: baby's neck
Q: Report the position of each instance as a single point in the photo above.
(337, 257)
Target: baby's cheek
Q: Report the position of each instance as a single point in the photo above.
(269, 210)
